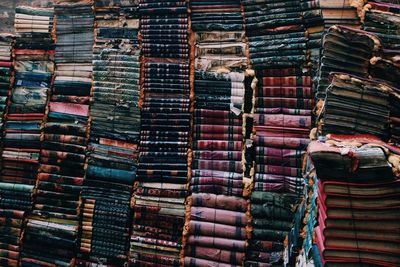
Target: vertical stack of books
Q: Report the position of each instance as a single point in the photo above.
(314, 26)
(284, 102)
(34, 67)
(216, 230)
(159, 201)
(216, 234)
(384, 21)
(281, 36)
(7, 41)
(11, 220)
(7, 74)
(216, 16)
(114, 138)
(52, 229)
(300, 248)
(217, 134)
(282, 121)
(217, 169)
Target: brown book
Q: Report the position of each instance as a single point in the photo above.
(352, 258)
(372, 235)
(362, 189)
(339, 13)
(349, 224)
(334, 3)
(361, 203)
(315, 29)
(363, 245)
(359, 214)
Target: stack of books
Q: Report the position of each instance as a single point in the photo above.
(276, 33)
(384, 21)
(6, 72)
(26, 109)
(216, 234)
(356, 105)
(219, 36)
(284, 102)
(159, 200)
(345, 50)
(11, 220)
(7, 76)
(114, 137)
(340, 12)
(217, 134)
(282, 121)
(357, 204)
(219, 15)
(52, 229)
(272, 215)
(284, 42)
(216, 230)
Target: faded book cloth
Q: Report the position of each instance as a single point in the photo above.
(354, 96)
(359, 46)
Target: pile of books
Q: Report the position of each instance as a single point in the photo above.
(345, 50)
(340, 12)
(216, 230)
(217, 134)
(284, 102)
(52, 230)
(384, 21)
(272, 215)
(355, 105)
(219, 36)
(351, 209)
(11, 220)
(7, 41)
(282, 121)
(219, 15)
(26, 109)
(114, 137)
(276, 32)
(216, 234)
(284, 42)
(159, 200)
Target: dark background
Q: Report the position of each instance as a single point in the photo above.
(7, 11)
